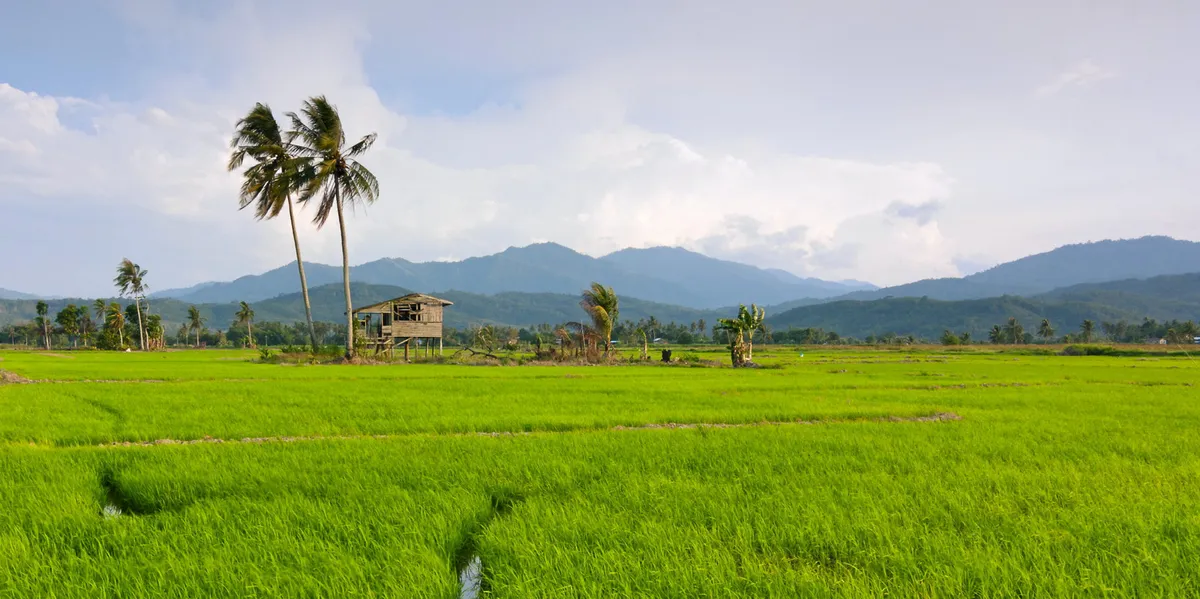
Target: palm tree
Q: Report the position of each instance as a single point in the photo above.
(996, 335)
(1046, 332)
(600, 303)
(1087, 329)
(1014, 331)
(43, 321)
(195, 322)
(131, 282)
(99, 307)
(114, 319)
(334, 174)
(652, 325)
(245, 316)
(268, 183)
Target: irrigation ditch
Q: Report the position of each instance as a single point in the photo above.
(467, 562)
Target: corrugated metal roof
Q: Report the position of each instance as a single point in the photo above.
(412, 298)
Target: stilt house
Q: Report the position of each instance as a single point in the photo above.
(414, 321)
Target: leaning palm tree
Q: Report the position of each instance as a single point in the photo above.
(245, 316)
(268, 184)
(600, 303)
(114, 320)
(131, 281)
(195, 322)
(334, 174)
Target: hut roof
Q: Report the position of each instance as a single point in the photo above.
(412, 298)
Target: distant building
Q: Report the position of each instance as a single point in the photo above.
(404, 320)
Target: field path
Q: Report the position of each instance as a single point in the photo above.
(935, 417)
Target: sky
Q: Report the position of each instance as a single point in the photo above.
(885, 141)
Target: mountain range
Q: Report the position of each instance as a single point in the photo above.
(1150, 277)
(666, 275)
(1095, 262)
(681, 277)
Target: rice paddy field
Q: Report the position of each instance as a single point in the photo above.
(833, 473)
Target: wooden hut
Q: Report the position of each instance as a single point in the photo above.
(414, 320)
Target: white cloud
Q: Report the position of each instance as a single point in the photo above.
(582, 175)
(1081, 75)
(762, 134)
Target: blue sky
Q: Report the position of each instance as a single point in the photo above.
(885, 141)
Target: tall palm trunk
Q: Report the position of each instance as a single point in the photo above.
(346, 279)
(312, 332)
(141, 328)
(249, 334)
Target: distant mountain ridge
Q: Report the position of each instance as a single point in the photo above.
(9, 294)
(1076, 264)
(666, 275)
(1162, 298)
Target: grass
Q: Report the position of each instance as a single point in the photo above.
(1067, 476)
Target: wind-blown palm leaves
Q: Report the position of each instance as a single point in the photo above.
(245, 317)
(741, 333)
(195, 322)
(601, 304)
(114, 322)
(131, 281)
(333, 177)
(269, 183)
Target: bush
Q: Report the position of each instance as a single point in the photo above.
(1101, 350)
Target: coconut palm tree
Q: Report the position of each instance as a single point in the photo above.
(1045, 331)
(99, 307)
(1087, 329)
(1014, 331)
(269, 183)
(600, 303)
(43, 321)
(333, 174)
(195, 322)
(996, 335)
(114, 320)
(130, 281)
(245, 316)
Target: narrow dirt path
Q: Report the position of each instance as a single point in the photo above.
(935, 417)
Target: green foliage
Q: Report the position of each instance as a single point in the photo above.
(601, 305)
(1033, 474)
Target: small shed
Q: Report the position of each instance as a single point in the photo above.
(413, 319)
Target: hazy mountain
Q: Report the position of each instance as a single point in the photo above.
(1168, 297)
(1099, 261)
(666, 275)
(1095, 262)
(9, 294)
